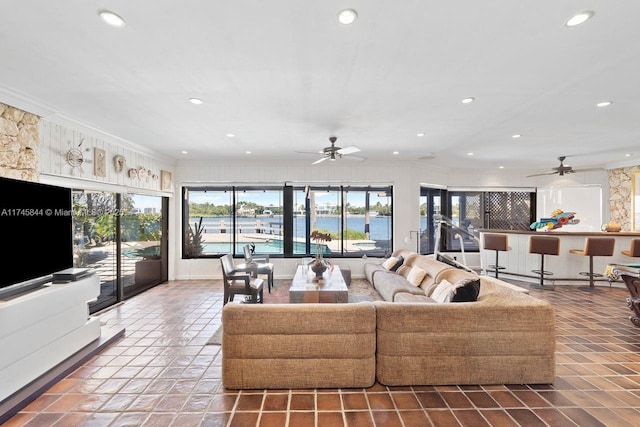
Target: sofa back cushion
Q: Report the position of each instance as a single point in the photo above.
(432, 268)
(452, 275)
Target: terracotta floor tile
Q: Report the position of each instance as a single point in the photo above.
(431, 399)
(442, 418)
(359, 419)
(470, 418)
(329, 402)
(387, 419)
(302, 419)
(380, 401)
(498, 417)
(278, 402)
(249, 402)
(526, 417)
(273, 419)
(330, 419)
(405, 401)
(302, 402)
(354, 401)
(244, 419)
(456, 400)
(216, 419)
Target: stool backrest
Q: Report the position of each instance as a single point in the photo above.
(599, 246)
(496, 242)
(635, 247)
(546, 245)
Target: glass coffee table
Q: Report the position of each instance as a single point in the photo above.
(306, 288)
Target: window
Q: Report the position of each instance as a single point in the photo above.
(279, 220)
(462, 213)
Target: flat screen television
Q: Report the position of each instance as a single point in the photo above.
(40, 218)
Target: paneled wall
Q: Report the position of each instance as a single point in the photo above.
(74, 153)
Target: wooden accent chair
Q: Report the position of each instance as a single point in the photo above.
(241, 283)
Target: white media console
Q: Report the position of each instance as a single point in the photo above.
(42, 328)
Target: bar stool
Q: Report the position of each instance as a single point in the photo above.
(634, 250)
(543, 245)
(594, 246)
(496, 242)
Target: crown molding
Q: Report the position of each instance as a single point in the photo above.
(25, 103)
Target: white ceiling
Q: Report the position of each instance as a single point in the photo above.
(284, 75)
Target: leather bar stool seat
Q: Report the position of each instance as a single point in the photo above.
(498, 243)
(634, 250)
(594, 246)
(543, 245)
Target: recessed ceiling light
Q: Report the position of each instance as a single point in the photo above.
(515, 136)
(184, 151)
(469, 154)
(347, 16)
(604, 103)
(196, 101)
(578, 19)
(248, 152)
(628, 155)
(500, 167)
(421, 134)
(230, 135)
(111, 19)
(468, 100)
(395, 153)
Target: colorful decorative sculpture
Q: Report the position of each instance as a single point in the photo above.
(557, 220)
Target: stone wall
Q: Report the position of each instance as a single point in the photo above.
(620, 200)
(19, 136)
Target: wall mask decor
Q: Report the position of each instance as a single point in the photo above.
(119, 162)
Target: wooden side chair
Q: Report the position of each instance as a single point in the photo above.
(239, 283)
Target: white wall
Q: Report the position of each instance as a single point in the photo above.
(406, 179)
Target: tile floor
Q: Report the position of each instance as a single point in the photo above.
(162, 374)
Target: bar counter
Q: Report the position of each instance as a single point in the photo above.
(518, 262)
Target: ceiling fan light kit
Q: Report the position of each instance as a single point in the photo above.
(333, 153)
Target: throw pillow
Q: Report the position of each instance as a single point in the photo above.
(416, 275)
(400, 259)
(466, 290)
(390, 263)
(443, 292)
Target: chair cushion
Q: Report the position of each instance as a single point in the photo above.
(253, 284)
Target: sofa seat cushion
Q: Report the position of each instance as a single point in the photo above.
(388, 284)
(370, 269)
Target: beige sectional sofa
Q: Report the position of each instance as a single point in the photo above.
(505, 337)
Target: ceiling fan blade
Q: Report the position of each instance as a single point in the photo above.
(541, 174)
(587, 170)
(348, 150)
(355, 158)
(320, 160)
(315, 153)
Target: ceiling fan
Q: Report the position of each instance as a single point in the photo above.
(332, 152)
(562, 169)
